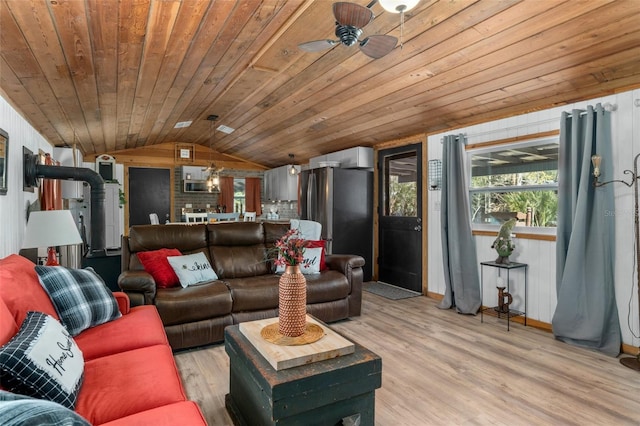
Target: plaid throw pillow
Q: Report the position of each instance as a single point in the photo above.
(42, 361)
(82, 300)
(20, 410)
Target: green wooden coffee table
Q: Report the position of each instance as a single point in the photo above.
(320, 393)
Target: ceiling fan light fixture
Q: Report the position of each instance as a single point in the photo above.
(398, 6)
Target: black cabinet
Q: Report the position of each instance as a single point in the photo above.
(107, 266)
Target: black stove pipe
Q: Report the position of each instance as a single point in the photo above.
(33, 170)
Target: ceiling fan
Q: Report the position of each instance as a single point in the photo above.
(350, 19)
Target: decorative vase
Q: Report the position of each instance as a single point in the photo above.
(292, 302)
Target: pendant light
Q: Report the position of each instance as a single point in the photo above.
(292, 171)
(213, 181)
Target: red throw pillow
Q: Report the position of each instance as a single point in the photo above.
(319, 244)
(155, 262)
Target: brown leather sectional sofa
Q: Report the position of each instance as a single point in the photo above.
(247, 288)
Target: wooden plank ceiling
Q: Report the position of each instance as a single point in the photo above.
(114, 75)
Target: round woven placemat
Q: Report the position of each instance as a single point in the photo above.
(312, 333)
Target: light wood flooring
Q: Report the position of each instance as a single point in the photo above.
(442, 368)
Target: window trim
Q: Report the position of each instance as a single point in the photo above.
(522, 232)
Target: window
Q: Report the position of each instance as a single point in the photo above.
(239, 204)
(516, 180)
(400, 185)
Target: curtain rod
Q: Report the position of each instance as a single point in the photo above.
(607, 107)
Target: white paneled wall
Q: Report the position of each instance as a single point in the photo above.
(13, 206)
(540, 255)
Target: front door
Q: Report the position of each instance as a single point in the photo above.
(149, 192)
(400, 223)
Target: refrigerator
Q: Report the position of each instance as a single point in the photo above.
(342, 201)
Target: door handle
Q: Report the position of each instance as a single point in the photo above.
(418, 228)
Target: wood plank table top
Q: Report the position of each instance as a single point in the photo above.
(331, 345)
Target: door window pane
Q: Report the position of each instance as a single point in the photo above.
(400, 190)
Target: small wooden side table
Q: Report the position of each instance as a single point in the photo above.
(319, 393)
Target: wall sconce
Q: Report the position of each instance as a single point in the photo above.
(630, 362)
(435, 175)
(595, 160)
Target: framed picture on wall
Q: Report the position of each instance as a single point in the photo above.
(184, 153)
(4, 161)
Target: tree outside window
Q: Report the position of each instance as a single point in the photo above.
(517, 180)
(402, 198)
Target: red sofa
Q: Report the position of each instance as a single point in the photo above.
(130, 376)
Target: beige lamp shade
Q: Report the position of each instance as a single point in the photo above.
(51, 228)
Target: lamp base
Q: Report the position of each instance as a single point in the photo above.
(631, 362)
(52, 257)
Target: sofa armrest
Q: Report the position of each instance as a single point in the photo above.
(139, 286)
(123, 302)
(351, 266)
(344, 263)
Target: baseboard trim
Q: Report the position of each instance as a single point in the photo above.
(545, 326)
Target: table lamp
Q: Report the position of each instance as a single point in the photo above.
(51, 228)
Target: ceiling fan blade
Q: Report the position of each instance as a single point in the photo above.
(317, 45)
(352, 14)
(377, 46)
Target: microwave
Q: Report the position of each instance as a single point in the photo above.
(195, 186)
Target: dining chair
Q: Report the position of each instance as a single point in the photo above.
(195, 217)
(249, 216)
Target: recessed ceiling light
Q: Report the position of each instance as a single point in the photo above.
(225, 129)
(181, 124)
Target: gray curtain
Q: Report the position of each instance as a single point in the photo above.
(458, 246)
(586, 314)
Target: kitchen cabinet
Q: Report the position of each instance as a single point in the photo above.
(353, 158)
(280, 185)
